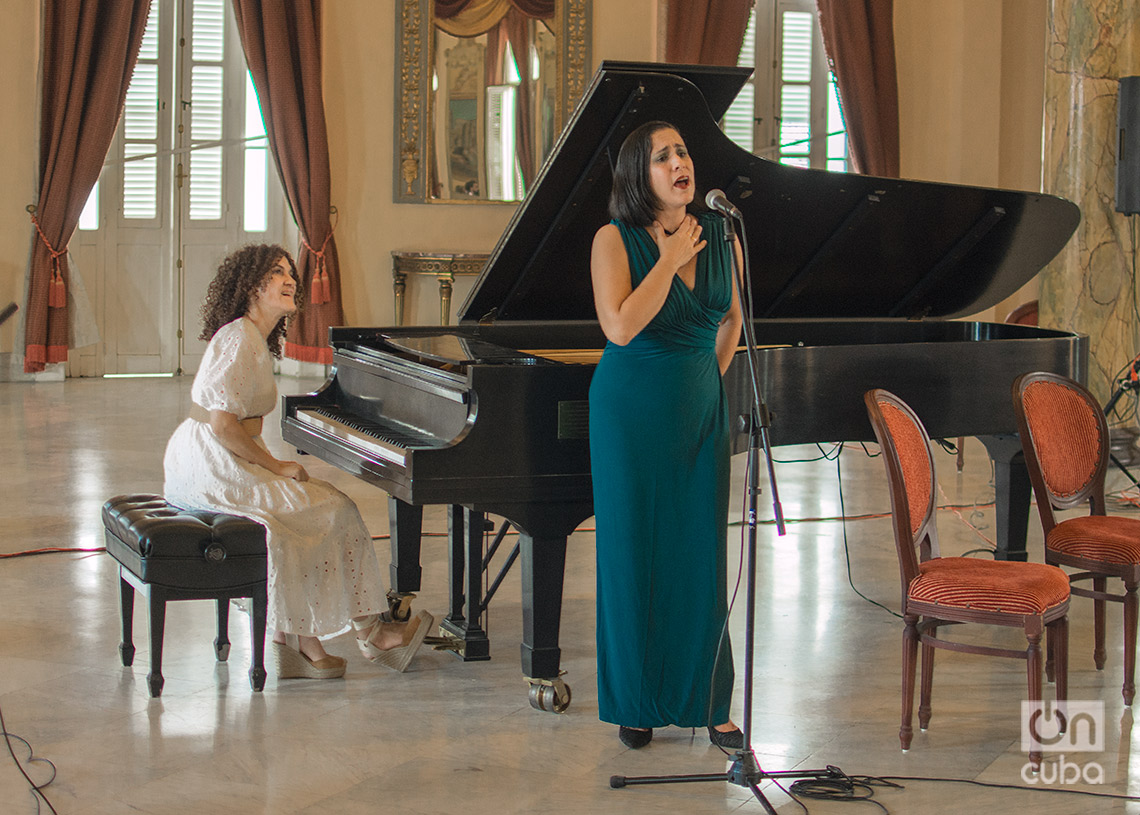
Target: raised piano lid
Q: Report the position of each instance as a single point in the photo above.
(821, 244)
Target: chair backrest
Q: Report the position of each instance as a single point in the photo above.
(910, 473)
(1065, 439)
(1025, 314)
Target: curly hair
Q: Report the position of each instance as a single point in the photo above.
(238, 280)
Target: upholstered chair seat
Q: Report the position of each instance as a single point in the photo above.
(990, 585)
(1109, 538)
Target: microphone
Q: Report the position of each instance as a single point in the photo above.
(718, 201)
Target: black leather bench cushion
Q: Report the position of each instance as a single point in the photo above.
(163, 544)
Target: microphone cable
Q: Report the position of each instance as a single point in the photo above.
(37, 790)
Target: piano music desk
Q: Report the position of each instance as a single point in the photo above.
(442, 265)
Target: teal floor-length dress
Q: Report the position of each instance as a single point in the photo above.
(659, 449)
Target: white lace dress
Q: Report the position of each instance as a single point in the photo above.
(323, 569)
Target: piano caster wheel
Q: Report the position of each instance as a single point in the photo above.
(549, 695)
(399, 607)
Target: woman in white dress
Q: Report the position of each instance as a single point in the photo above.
(323, 572)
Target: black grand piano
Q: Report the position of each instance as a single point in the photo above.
(852, 277)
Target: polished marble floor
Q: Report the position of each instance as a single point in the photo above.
(449, 737)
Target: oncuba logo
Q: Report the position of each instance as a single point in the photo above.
(1065, 727)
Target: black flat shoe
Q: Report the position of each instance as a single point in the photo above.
(730, 740)
(633, 738)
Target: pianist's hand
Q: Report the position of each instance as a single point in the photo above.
(291, 469)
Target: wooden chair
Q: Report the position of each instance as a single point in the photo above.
(1065, 438)
(938, 591)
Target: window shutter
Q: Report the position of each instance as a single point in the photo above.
(207, 49)
(739, 118)
(140, 130)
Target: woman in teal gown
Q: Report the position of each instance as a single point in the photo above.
(659, 447)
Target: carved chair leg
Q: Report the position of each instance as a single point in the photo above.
(1033, 671)
(1059, 651)
(1099, 584)
(1130, 605)
(909, 658)
(924, 708)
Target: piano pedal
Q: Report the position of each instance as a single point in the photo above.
(399, 607)
(444, 643)
(549, 695)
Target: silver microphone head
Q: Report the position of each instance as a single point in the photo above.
(718, 201)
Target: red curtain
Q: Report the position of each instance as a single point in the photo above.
(89, 53)
(706, 32)
(282, 43)
(515, 28)
(860, 40)
(445, 9)
(544, 9)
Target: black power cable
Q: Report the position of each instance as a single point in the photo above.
(37, 790)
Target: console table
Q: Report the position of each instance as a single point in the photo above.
(445, 267)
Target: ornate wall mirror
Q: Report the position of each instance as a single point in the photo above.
(483, 88)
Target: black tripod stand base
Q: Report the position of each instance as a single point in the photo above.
(744, 772)
(619, 781)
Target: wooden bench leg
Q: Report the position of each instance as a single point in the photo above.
(260, 602)
(127, 609)
(222, 641)
(154, 679)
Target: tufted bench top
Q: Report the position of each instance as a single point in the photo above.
(163, 544)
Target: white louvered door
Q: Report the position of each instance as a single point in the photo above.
(788, 111)
(188, 178)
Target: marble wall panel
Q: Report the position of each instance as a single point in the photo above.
(1090, 287)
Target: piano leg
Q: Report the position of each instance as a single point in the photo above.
(405, 527)
(543, 566)
(465, 530)
(1011, 495)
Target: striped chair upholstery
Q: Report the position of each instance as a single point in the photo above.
(1065, 438)
(938, 591)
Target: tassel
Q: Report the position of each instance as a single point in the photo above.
(57, 292)
(320, 285)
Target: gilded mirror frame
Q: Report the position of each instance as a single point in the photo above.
(413, 115)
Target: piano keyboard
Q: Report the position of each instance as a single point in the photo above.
(383, 439)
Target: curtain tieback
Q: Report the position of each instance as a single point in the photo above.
(321, 291)
(57, 290)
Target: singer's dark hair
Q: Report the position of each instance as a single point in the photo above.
(632, 200)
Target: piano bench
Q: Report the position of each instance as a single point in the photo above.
(166, 553)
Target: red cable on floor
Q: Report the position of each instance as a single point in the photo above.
(48, 551)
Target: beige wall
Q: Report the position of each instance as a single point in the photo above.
(971, 85)
(359, 90)
(970, 89)
(19, 54)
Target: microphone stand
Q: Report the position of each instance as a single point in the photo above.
(1129, 382)
(745, 769)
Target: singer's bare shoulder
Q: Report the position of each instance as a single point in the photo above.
(608, 241)
(609, 231)
(609, 262)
